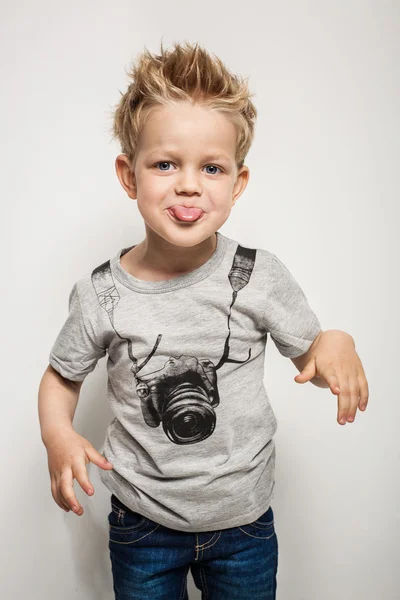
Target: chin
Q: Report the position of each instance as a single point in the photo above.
(187, 237)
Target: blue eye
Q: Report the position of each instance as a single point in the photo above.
(214, 167)
(166, 162)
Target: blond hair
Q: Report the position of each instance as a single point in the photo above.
(185, 73)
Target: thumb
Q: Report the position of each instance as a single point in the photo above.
(98, 459)
(307, 373)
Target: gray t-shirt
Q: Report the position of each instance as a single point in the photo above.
(191, 441)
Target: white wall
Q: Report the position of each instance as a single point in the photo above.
(323, 196)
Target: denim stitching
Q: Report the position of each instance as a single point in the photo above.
(262, 522)
(115, 507)
(207, 544)
(264, 525)
(197, 546)
(259, 537)
(183, 588)
(203, 581)
(138, 540)
(143, 523)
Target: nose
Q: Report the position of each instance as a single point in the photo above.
(188, 183)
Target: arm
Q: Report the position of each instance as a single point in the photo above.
(332, 361)
(58, 398)
(67, 451)
(301, 361)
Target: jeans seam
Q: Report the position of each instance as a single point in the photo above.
(262, 523)
(183, 588)
(258, 537)
(207, 544)
(203, 581)
(135, 541)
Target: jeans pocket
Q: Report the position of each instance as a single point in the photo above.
(127, 526)
(266, 519)
(263, 527)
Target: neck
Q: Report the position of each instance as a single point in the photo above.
(158, 255)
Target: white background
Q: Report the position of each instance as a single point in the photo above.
(323, 196)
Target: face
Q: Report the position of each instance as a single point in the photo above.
(186, 158)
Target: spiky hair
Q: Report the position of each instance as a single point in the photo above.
(187, 73)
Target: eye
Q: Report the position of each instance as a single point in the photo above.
(163, 162)
(166, 163)
(213, 167)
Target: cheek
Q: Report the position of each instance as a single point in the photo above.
(221, 197)
(151, 198)
(154, 188)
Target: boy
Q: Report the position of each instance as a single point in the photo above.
(184, 317)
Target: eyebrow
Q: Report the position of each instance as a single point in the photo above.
(172, 152)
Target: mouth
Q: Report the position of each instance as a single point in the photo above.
(182, 214)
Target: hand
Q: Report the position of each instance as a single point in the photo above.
(335, 360)
(68, 453)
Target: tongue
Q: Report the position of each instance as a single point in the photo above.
(186, 214)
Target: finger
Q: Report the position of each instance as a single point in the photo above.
(332, 380)
(343, 400)
(56, 497)
(364, 392)
(97, 458)
(67, 492)
(354, 398)
(63, 505)
(81, 475)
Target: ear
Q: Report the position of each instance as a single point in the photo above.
(241, 182)
(126, 176)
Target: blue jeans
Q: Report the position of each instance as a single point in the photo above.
(150, 561)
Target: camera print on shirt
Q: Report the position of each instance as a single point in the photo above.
(184, 393)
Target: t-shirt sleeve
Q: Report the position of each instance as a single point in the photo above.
(288, 317)
(75, 352)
